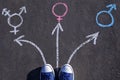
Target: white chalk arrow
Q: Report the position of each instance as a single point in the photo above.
(23, 9)
(19, 40)
(57, 29)
(91, 37)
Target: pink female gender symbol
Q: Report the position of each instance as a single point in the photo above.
(59, 17)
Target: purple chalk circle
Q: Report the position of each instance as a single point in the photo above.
(59, 17)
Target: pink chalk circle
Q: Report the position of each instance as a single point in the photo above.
(59, 17)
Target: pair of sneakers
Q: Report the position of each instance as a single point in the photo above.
(66, 72)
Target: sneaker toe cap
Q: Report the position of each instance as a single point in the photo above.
(47, 68)
(67, 68)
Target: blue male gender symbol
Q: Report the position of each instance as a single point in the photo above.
(111, 6)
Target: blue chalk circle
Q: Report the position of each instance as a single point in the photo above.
(112, 7)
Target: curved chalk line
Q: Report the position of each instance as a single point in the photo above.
(91, 37)
(19, 40)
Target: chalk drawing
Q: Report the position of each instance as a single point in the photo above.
(112, 7)
(6, 12)
(59, 17)
(19, 40)
(58, 28)
(91, 37)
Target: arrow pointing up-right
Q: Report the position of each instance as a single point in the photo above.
(23, 9)
(93, 37)
(112, 6)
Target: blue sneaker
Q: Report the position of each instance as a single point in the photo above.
(66, 73)
(47, 73)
